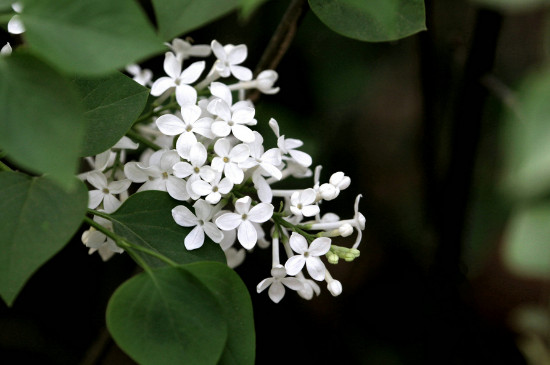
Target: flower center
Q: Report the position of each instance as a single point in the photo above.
(165, 175)
(215, 189)
(197, 170)
(231, 123)
(226, 159)
(177, 81)
(189, 128)
(244, 216)
(306, 254)
(105, 191)
(299, 206)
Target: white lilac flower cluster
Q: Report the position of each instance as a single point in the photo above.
(209, 156)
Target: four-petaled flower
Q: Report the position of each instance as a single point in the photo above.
(200, 220)
(302, 203)
(229, 57)
(105, 192)
(308, 256)
(243, 218)
(277, 283)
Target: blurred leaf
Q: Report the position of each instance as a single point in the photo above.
(248, 7)
(145, 219)
(38, 218)
(514, 5)
(526, 146)
(112, 105)
(176, 17)
(89, 37)
(236, 307)
(42, 122)
(167, 316)
(371, 20)
(527, 241)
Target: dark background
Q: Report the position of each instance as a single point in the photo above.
(415, 125)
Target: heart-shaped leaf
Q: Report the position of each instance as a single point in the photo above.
(145, 219)
(176, 17)
(89, 37)
(167, 316)
(112, 104)
(42, 122)
(38, 218)
(371, 20)
(234, 299)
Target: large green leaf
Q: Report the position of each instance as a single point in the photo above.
(236, 305)
(42, 121)
(112, 104)
(527, 241)
(167, 317)
(176, 17)
(371, 20)
(89, 36)
(38, 218)
(526, 137)
(145, 219)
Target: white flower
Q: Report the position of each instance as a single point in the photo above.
(309, 288)
(334, 287)
(308, 256)
(243, 218)
(105, 191)
(229, 57)
(337, 182)
(15, 25)
(139, 75)
(213, 189)
(267, 161)
(159, 174)
(98, 241)
(277, 284)
(228, 159)
(178, 79)
(196, 169)
(234, 257)
(303, 203)
(232, 120)
(6, 50)
(184, 49)
(200, 220)
(265, 81)
(289, 145)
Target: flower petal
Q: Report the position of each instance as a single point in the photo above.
(170, 125)
(186, 95)
(310, 210)
(221, 128)
(315, 268)
(213, 232)
(184, 143)
(194, 239)
(94, 198)
(264, 284)
(192, 73)
(293, 283)
(260, 213)
(298, 243)
(182, 169)
(319, 246)
(241, 73)
(117, 187)
(229, 221)
(243, 133)
(294, 264)
(97, 180)
(183, 216)
(247, 235)
(161, 85)
(177, 188)
(221, 91)
(201, 187)
(276, 291)
(233, 173)
(135, 173)
(242, 205)
(171, 65)
(110, 203)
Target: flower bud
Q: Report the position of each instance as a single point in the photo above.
(335, 287)
(339, 180)
(265, 81)
(328, 191)
(345, 230)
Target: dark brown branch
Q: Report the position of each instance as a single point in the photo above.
(281, 39)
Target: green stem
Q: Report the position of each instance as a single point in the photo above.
(122, 243)
(139, 138)
(278, 219)
(5, 167)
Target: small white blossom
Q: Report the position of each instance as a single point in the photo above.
(308, 256)
(267, 161)
(234, 257)
(214, 189)
(105, 192)
(98, 241)
(139, 75)
(178, 79)
(309, 288)
(195, 169)
(228, 159)
(200, 221)
(243, 218)
(229, 58)
(15, 25)
(303, 203)
(277, 283)
(289, 145)
(183, 49)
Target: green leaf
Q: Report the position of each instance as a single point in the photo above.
(42, 120)
(89, 37)
(145, 219)
(514, 5)
(38, 218)
(526, 133)
(234, 299)
(112, 103)
(249, 6)
(167, 316)
(176, 17)
(371, 20)
(527, 241)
